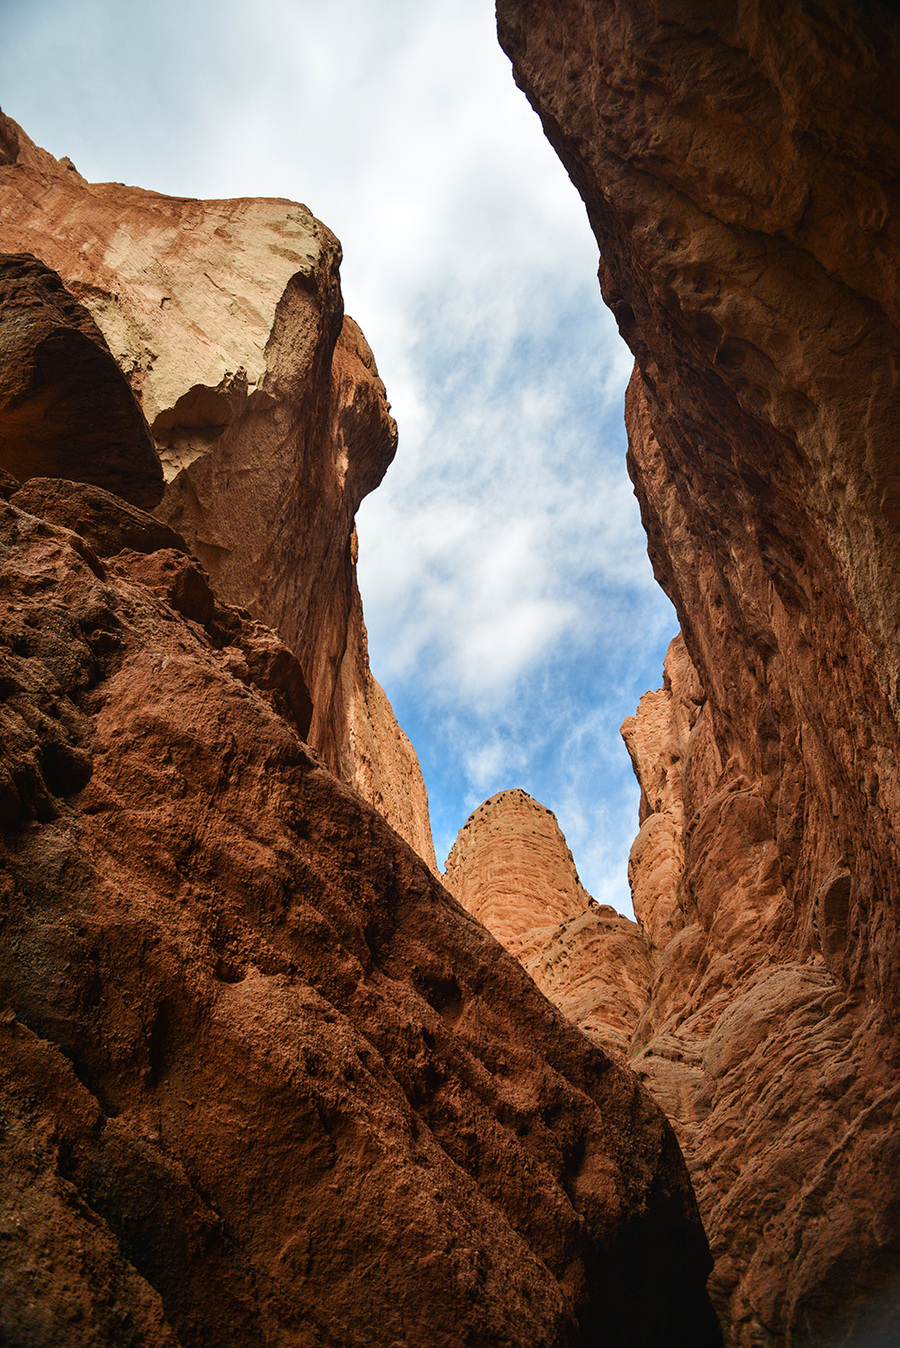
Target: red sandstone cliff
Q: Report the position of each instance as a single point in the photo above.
(262, 1080)
(740, 166)
(266, 405)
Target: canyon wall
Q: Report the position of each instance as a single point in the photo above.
(266, 406)
(740, 166)
(262, 1080)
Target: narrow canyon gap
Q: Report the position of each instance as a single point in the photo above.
(191, 896)
(262, 1079)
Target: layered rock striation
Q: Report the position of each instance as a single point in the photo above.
(265, 402)
(739, 163)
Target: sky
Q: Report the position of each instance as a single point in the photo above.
(512, 614)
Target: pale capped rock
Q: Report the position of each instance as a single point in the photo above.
(266, 405)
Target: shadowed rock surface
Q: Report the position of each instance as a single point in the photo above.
(266, 404)
(107, 523)
(262, 1079)
(740, 166)
(65, 407)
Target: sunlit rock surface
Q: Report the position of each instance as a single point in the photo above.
(740, 167)
(266, 404)
(780, 1085)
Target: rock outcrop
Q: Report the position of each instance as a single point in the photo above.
(739, 163)
(262, 1079)
(266, 405)
(781, 1085)
(511, 868)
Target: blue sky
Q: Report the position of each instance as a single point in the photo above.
(512, 615)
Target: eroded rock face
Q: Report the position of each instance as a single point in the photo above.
(780, 1085)
(267, 407)
(263, 1080)
(740, 167)
(185, 292)
(510, 868)
(106, 522)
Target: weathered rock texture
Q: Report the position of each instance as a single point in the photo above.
(270, 417)
(510, 868)
(740, 164)
(263, 1081)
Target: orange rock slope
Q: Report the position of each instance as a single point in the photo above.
(740, 166)
(266, 405)
(262, 1080)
